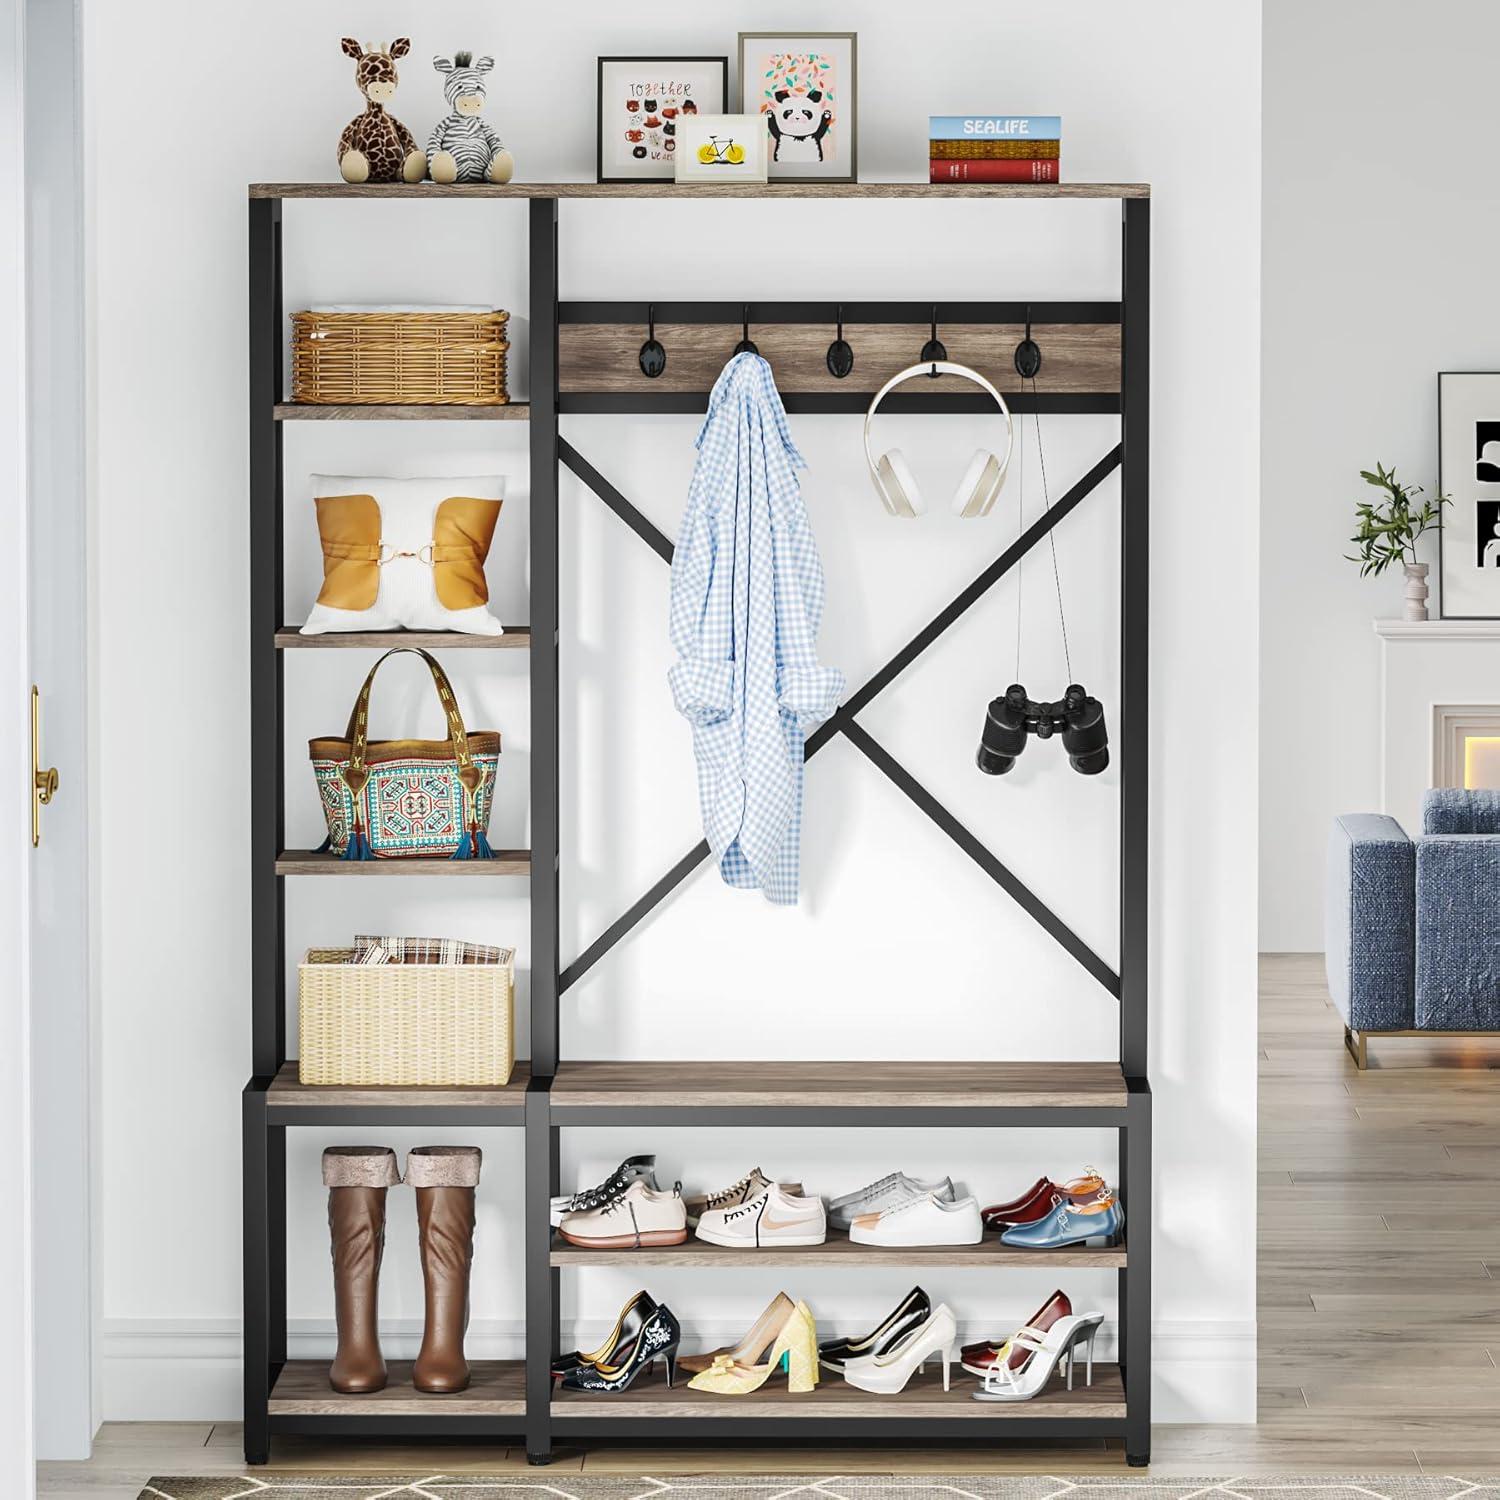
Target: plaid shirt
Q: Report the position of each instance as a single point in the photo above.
(747, 596)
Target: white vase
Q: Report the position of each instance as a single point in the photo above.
(1416, 591)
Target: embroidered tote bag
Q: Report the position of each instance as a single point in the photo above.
(407, 799)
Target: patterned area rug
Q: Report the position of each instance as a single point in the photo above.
(826, 1487)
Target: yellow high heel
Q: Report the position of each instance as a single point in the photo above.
(793, 1340)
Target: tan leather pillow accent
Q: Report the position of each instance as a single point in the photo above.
(349, 529)
(461, 533)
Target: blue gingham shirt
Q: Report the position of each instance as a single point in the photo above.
(747, 596)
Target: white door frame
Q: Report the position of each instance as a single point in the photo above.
(17, 1452)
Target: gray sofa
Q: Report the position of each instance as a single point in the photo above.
(1413, 927)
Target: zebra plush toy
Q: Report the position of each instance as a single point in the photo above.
(462, 148)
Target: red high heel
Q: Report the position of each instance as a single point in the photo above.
(977, 1358)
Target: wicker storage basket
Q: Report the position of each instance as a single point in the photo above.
(399, 358)
(439, 1024)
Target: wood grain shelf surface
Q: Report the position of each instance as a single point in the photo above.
(781, 1084)
(415, 191)
(840, 1250)
(497, 1388)
(314, 862)
(924, 1396)
(297, 411)
(288, 1091)
(516, 638)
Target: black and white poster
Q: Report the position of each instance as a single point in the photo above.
(1469, 471)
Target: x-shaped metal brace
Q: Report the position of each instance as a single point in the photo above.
(843, 721)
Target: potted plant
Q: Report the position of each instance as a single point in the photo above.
(1389, 529)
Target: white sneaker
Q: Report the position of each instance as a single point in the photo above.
(892, 1189)
(642, 1216)
(922, 1221)
(772, 1217)
(751, 1185)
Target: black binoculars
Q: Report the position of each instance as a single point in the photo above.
(1078, 718)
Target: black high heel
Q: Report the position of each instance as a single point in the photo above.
(909, 1313)
(622, 1336)
(658, 1338)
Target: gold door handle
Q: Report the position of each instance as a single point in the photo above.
(43, 779)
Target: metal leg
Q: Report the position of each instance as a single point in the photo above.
(1358, 1044)
(542, 1282)
(1135, 1312)
(257, 1218)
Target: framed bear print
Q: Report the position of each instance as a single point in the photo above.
(803, 85)
(644, 102)
(1469, 472)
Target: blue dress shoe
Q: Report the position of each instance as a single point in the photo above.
(1095, 1224)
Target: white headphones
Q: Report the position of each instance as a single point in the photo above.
(896, 484)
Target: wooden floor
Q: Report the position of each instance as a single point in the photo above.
(1379, 1314)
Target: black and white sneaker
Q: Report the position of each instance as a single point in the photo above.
(611, 1190)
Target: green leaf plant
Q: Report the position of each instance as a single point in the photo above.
(1389, 527)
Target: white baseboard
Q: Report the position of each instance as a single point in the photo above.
(181, 1370)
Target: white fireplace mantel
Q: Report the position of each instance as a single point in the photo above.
(1438, 630)
(1435, 676)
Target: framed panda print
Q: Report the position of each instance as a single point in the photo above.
(1469, 472)
(803, 85)
(643, 104)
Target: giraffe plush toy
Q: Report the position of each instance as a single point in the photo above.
(462, 148)
(376, 146)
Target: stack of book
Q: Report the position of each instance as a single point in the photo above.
(993, 148)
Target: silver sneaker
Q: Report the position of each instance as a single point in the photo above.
(894, 1189)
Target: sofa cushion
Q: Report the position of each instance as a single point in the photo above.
(1369, 938)
(1450, 809)
(1458, 932)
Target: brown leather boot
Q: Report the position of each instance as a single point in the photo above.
(445, 1178)
(357, 1178)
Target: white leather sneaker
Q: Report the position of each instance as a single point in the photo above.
(890, 1190)
(922, 1221)
(753, 1183)
(773, 1217)
(642, 1215)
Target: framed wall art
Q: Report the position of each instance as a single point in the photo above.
(643, 103)
(1469, 472)
(721, 148)
(803, 86)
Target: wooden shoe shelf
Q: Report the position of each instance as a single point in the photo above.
(581, 361)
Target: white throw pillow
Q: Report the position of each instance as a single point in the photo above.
(405, 553)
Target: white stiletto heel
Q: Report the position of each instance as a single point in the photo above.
(886, 1374)
(1057, 1346)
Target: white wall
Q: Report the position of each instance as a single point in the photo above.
(1378, 273)
(899, 945)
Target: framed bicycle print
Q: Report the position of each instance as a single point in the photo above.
(721, 148)
(644, 103)
(803, 86)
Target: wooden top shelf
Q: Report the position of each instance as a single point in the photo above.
(839, 1085)
(840, 1250)
(414, 191)
(516, 638)
(303, 411)
(314, 862)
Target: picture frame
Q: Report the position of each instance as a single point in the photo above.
(722, 149)
(806, 86)
(627, 147)
(1469, 471)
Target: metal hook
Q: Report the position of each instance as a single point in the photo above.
(840, 355)
(746, 344)
(653, 358)
(1028, 353)
(933, 350)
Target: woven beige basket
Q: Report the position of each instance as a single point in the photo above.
(399, 358)
(412, 1024)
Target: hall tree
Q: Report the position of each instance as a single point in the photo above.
(581, 364)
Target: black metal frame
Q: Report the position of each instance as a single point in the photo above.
(265, 1122)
